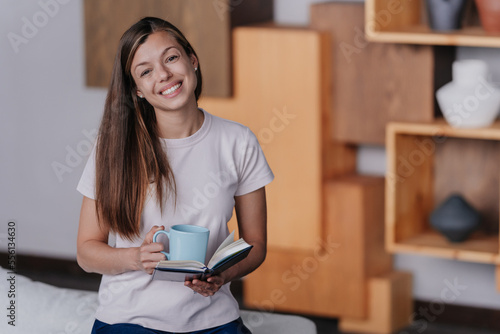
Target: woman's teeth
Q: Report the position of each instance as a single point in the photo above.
(171, 89)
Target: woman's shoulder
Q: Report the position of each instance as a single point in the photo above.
(225, 125)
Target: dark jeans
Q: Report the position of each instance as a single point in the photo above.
(234, 327)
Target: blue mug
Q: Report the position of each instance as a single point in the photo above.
(186, 242)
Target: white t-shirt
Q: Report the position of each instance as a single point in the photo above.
(221, 160)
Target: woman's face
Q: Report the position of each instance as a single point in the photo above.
(164, 74)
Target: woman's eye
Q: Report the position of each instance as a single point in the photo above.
(145, 73)
(171, 58)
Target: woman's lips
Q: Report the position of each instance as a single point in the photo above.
(170, 90)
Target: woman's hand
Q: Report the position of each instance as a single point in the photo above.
(252, 218)
(149, 254)
(206, 288)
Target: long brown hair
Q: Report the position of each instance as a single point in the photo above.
(129, 154)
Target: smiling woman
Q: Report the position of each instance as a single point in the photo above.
(132, 188)
(165, 75)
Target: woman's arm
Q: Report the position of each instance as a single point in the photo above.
(251, 214)
(95, 255)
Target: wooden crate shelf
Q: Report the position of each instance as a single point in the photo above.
(439, 128)
(376, 83)
(426, 163)
(478, 248)
(385, 22)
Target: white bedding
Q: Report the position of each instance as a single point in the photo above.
(45, 309)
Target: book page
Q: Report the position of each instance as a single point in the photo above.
(227, 251)
(187, 265)
(229, 240)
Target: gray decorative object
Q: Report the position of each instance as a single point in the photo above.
(445, 15)
(455, 218)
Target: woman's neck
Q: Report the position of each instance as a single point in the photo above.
(179, 124)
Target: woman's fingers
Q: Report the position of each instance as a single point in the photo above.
(205, 288)
(149, 236)
(149, 252)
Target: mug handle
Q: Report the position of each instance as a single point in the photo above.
(168, 236)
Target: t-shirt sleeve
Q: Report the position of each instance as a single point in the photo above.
(254, 171)
(86, 186)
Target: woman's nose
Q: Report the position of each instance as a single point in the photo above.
(163, 73)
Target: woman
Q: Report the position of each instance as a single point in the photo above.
(160, 161)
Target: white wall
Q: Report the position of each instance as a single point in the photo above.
(46, 109)
(48, 118)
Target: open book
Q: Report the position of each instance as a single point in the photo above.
(228, 254)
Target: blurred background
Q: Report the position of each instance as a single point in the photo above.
(49, 119)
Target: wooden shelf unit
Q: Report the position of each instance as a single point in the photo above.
(396, 82)
(404, 21)
(293, 117)
(413, 189)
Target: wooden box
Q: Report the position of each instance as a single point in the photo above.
(390, 302)
(376, 83)
(425, 164)
(355, 220)
(405, 21)
(206, 24)
(289, 118)
(331, 278)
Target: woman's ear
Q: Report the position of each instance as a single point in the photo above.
(140, 94)
(194, 61)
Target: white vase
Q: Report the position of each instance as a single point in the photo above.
(469, 100)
